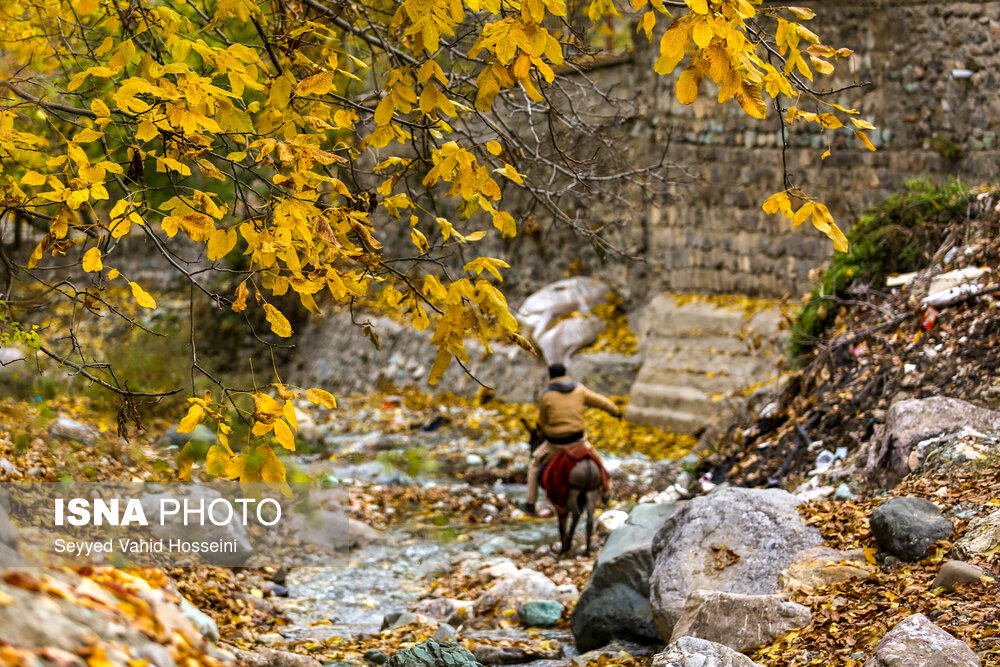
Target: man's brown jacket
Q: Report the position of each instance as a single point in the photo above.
(561, 405)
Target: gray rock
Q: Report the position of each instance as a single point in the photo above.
(820, 566)
(262, 656)
(956, 572)
(498, 543)
(739, 621)
(432, 653)
(906, 527)
(156, 654)
(517, 655)
(333, 530)
(609, 520)
(195, 493)
(376, 657)
(396, 619)
(916, 642)
(515, 588)
(981, 536)
(70, 429)
(734, 540)
(201, 436)
(615, 603)
(606, 372)
(844, 492)
(8, 468)
(445, 633)
(446, 609)
(8, 533)
(540, 613)
(204, 623)
(694, 652)
(913, 420)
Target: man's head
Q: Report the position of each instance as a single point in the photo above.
(556, 371)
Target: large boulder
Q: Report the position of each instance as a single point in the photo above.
(734, 540)
(562, 297)
(566, 337)
(739, 621)
(907, 527)
(913, 420)
(917, 642)
(615, 603)
(694, 652)
(605, 372)
(70, 429)
(982, 535)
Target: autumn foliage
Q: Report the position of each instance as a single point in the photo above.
(244, 127)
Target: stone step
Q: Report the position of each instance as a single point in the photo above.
(709, 383)
(674, 421)
(739, 368)
(693, 353)
(680, 398)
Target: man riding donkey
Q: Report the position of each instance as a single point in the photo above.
(560, 422)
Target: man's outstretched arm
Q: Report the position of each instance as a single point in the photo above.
(594, 400)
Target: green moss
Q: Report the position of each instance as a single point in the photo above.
(899, 235)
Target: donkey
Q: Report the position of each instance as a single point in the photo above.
(584, 491)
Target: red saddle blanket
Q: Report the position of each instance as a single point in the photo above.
(555, 477)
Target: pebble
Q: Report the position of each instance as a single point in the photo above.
(844, 492)
(445, 632)
(376, 657)
(956, 572)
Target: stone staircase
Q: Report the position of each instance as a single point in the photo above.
(699, 355)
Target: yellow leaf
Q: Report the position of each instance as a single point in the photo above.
(86, 135)
(687, 86)
(318, 84)
(494, 147)
(321, 397)
(802, 13)
(702, 34)
(146, 131)
(194, 415)
(32, 178)
(279, 323)
(863, 124)
(289, 412)
(240, 304)
(220, 243)
(142, 297)
(112, 274)
(99, 107)
(284, 436)
(821, 66)
(802, 214)
(92, 260)
(441, 362)
(261, 428)
(773, 203)
(825, 154)
(864, 139)
(272, 471)
(698, 6)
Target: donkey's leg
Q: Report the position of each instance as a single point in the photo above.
(573, 507)
(562, 529)
(591, 505)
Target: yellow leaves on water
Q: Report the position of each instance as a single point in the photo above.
(279, 323)
(142, 297)
(92, 260)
